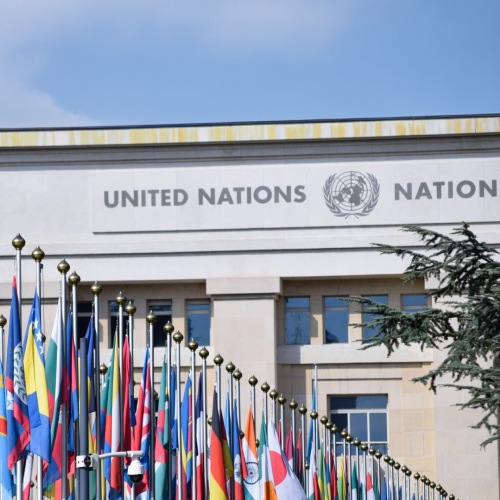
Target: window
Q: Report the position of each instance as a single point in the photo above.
(297, 324)
(163, 311)
(368, 333)
(414, 303)
(113, 322)
(336, 319)
(364, 417)
(83, 318)
(198, 321)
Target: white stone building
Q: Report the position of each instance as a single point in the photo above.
(246, 235)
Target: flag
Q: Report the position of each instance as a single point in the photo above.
(186, 437)
(333, 481)
(341, 486)
(299, 457)
(370, 493)
(226, 453)
(354, 483)
(143, 418)
(55, 362)
(218, 490)
(384, 491)
(314, 493)
(127, 409)
(289, 448)
(200, 422)
(18, 423)
(285, 481)
(238, 459)
(376, 488)
(227, 423)
(267, 490)
(328, 487)
(162, 437)
(111, 392)
(322, 483)
(5, 474)
(249, 449)
(173, 420)
(36, 384)
(70, 384)
(28, 469)
(311, 426)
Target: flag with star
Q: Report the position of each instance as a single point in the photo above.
(36, 384)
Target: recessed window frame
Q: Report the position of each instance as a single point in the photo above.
(297, 309)
(84, 314)
(414, 308)
(335, 308)
(161, 318)
(365, 309)
(206, 311)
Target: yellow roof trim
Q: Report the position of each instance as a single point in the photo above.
(203, 134)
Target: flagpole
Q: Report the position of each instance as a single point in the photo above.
(193, 345)
(63, 267)
(303, 411)
(364, 447)
(274, 395)
(178, 338)
(387, 458)
(121, 300)
(37, 255)
(357, 444)
(84, 430)
(349, 441)
(328, 445)
(343, 435)
(293, 406)
(169, 329)
(403, 470)
(204, 355)
(335, 429)
(218, 360)
(130, 309)
(151, 319)
(3, 322)
(282, 401)
(392, 462)
(230, 369)
(324, 421)
(314, 416)
(237, 376)
(378, 456)
(417, 477)
(433, 486)
(316, 429)
(18, 243)
(265, 389)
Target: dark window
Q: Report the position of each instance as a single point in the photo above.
(198, 321)
(83, 317)
(414, 303)
(113, 322)
(163, 311)
(336, 319)
(297, 320)
(368, 333)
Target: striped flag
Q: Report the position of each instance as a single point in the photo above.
(354, 483)
(341, 486)
(370, 493)
(28, 470)
(173, 428)
(36, 384)
(333, 481)
(238, 460)
(267, 491)
(162, 437)
(311, 427)
(218, 490)
(200, 422)
(55, 363)
(70, 383)
(5, 475)
(186, 438)
(249, 448)
(111, 392)
(314, 493)
(17, 402)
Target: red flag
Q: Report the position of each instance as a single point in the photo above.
(299, 455)
(289, 448)
(218, 489)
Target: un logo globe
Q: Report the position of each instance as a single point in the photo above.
(351, 194)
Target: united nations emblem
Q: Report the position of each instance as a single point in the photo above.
(351, 193)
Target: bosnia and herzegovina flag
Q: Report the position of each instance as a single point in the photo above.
(36, 384)
(218, 490)
(186, 437)
(17, 403)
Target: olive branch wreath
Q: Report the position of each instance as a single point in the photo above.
(367, 209)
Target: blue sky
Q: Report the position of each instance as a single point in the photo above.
(121, 62)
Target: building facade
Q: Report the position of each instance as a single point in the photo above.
(248, 236)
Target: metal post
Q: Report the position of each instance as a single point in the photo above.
(386, 460)
(357, 444)
(237, 376)
(121, 300)
(293, 406)
(274, 395)
(335, 429)
(63, 268)
(417, 485)
(178, 338)
(193, 345)
(84, 430)
(371, 451)
(151, 319)
(38, 256)
(397, 466)
(303, 411)
(314, 416)
(169, 329)
(18, 243)
(253, 382)
(265, 389)
(218, 360)
(282, 401)
(364, 447)
(206, 473)
(230, 369)
(316, 423)
(378, 456)
(349, 441)
(3, 322)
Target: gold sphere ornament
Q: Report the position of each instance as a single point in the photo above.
(293, 404)
(32, 484)
(242, 434)
(237, 375)
(364, 447)
(397, 466)
(230, 367)
(151, 318)
(323, 420)
(257, 442)
(343, 434)
(253, 381)
(307, 465)
(218, 360)
(74, 279)
(103, 369)
(335, 429)
(265, 387)
(281, 400)
(392, 462)
(3, 321)
(357, 442)
(444, 493)
(209, 421)
(404, 469)
(130, 309)
(314, 415)
(273, 394)
(378, 455)
(452, 497)
(408, 472)
(371, 451)
(439, 488)
(18, 242)
(63, 267)
(432, 485)
(349, 438)
(155, 395)
(178, 337)
(169, 328)
(424, 479)
(193, 345)
(203, 352)
(387, 459)
(38, 254)
(302, 410)
(329, 425)
(417, 476)
(96, 289)
(121, 299)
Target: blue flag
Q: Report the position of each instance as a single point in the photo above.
(311, 425)
(384, 491)
(5, 475)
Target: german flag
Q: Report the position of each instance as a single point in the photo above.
(218, 490)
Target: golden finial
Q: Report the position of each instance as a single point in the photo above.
(121, 299)
(169, 329)
(96, 289)
(218, 360)
(151, 318)
(203, 352)
(63, 267)
(357, 442)
(38, 254)
(3, 321)
(265, 387)
(237, 375)
(282, 400)
(74, 279)
(323, 420)
(364, 447)
(178, 337)
(273, 394)
(314, 415)
(193, 345)
(130, 309)
(230, 367)
(103, 369)
(293, 404)
(18, 242)
(302, 410)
